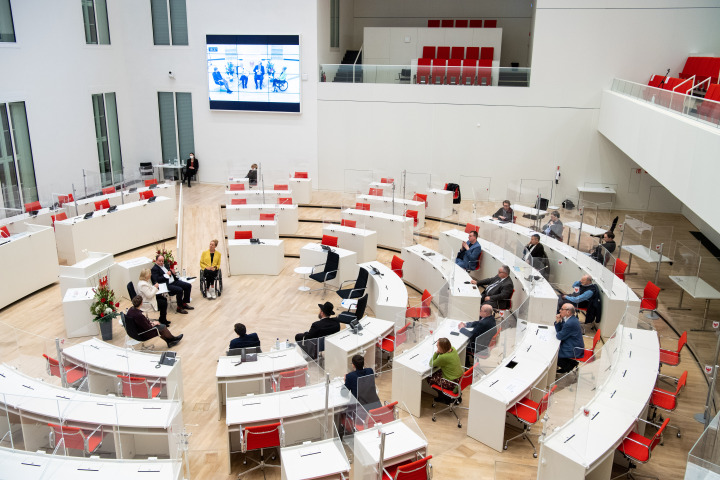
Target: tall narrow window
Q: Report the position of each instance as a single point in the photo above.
(7, 30)
(334, 23)
(17, 171)
(169, 20)
(95, 20)
(107, 135)
(176, 125)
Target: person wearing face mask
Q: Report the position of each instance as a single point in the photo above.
(569, 332)
(191, 167)
(326, 324)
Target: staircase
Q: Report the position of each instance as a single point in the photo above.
(512, 78)
(345, 70)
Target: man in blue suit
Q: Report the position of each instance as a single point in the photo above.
(244, 339)
(469, 253)
(569, 332)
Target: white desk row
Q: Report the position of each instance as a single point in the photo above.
(132, 225)
(567, 266)
(313, 254)
(103, 362)
(286, 215)
(261, 197)
(302, 190)
(387, 293)
(43, 217)
(359, 240)
(394, 231)
(342, 346)
(29, 261)
(259, 228)
(402, 444)
(324, 459)
(584, 447)
(385, 205)
(131, 427)
(265, 258)
(119, 198)
(386, 188)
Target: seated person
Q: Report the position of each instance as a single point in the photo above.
(534, 254)
(181, 290)
(219, 80)
(554, 227)
(473, 330)
(447, 363)
(498, 289)
(140, 328)
(606, 246)
(192, 165)
(252, 174)
(469, 253)
(367, 397)
(587, 295)
(210, 264)
(244, 339)
(281, 78)
(505, 213)
(150, 296)
(569, 332)
(326, 325)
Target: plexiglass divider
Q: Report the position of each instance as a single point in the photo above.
(9, 213)
(415, 183)
(357, 181)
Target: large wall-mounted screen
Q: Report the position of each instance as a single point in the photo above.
(254, 72)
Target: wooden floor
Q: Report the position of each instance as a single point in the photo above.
(273, 307)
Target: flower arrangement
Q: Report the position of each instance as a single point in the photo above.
(104, 307)
(169, 259)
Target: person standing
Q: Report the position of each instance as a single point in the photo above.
(259, 72)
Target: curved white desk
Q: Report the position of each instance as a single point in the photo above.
(259, 228)
(387, 293)
(312, 254)
(325, 459)
(394, 231)
(359, 240)
(385, 205)
(43, 217)
(121, 197)
(286, 215)
(256, 197)
(402, 443)
(342, 346)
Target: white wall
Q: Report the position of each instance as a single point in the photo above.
(327, 55)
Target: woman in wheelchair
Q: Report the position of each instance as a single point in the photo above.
(210, 274)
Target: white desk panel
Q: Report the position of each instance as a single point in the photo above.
(385, 205)
(243, 180)
(401, 444)
(359, 240)
(439, 203)
(43, 217)
(121, 197)
(386, 188)
(387, 293)
(266, 258)
(342, 346)
(394, 231)
(312, 254)
(302, 190)
(323, 459)
(86, 272)
(258, 197)
(121, 273)
(286, 215)
(259, 228)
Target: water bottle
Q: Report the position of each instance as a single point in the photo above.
(184, 273)
(277, 343)
(287, 342)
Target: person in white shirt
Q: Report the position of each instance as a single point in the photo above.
(151, 296)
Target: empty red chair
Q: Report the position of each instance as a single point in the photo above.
(384, 414)
(649, 298)
(238, 201)
(472, 53)
(422, 311)
(103, 204)
(146, 194)
(290, 379)
(396, 265)
(259, 438)
(285, 201)
(243, 235)
(108, 190)
(457, 53)
(420, 197)
(672, 357)
(445, 23)
(588, 353)
(637, 449)
(423, 71)
(414, 215)
(73, 373)
(152, 181)
(529, 412)
(301, 174)
(32, 206)
(267, 216)
(4, 232)
(63, 199)
(484, 74)
(619, 269)
(329, 240)
(281, 187)
(362, 206)
(87, 440)
(470, 228)
(490, 24)
(234, 187)
(486, 53)
(443, 52)
(58, 217)
(469, 72)
(389, 344)
(387, 180)
(667, 400)
(461, 23)
(417, 470)
(428, 52)
(138, 387)
(376, 192)
(476, 24)
(438, 71)
(433, 23)
(348, 223)
(453, 72)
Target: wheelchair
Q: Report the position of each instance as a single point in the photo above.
(204, 286)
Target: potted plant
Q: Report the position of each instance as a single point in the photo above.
(104, 307)
(168, 255)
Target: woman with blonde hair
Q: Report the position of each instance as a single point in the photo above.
(210, 264)
(151, 299)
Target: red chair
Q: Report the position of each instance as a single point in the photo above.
(471, 228)
(73, 373)
(529, 412)
(87, 440)
(384, 414)
(4, 232)
(443, 53)
(428, 52)
(301, 174)
(476, 23)
(348, 223)
(387, 180)
(362, 206)
(243, 235)
(267, 216)
(329, 240)
(453, 72)
(63, 199)
(396, 265)
(486, 53)
(377, 192)
(469, 72)
(238, 201)
(423, 311)
(103, 204)
(417, 470)
(588, 353)
(390, 343)
(438, 70)
(461, 24)
(619, 269)
(490, 24)
(472, 53)
(108, 190)
(414, 215)
(637, 449)
(260, 438)
(649, 299)
(433, 23)
(672, 357)
(32, 206)
(484, 74)
(281, 187)
(285, 201)
(152, 181)
(423, 71)
(457, 53)
(445, 23)
(58, 217)
(147, 194)
(234, 187)
(454, 394)
(665, 400)
(290, 379)
(420, 197)
(138, 387)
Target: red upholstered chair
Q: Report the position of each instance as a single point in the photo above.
(672, 357)
(103, 204)
(63, 199)
(152, 181)
(486, 53)
(471, 228)
(421, 311)
(243, 234)
(362, 206)
(4, 232)
(281, 187)
(390, 343)
(433, 23)
(469, 72)
(396, 265)
(438, 70)
(285, 201)
(32, 206)
(385, 414)
(108, 190)
(649, 299)
(414, 215)
(443, 52)
(87, 440)
(457, 53)
(461, 23)
(473, 53)
(329, 240)
(490, 24)
(453, 72)
(420, 197)
(259, 438)
(619, 269)
(348, 223)
(667, 400)
(387, 180)
(146, 194)
(428, 52)
(290, 379)
(301, 174)
(588, 353)
(138, 387)
(58, 217)
(637, 449)
(73, 373)
(234, 187)
(476, 23)
(377, 192)
(417, 470)
(423, 71)
(529, 412)
(484, 74)
(445, 23)
(238, 201)
(267, 216)
(454, 394)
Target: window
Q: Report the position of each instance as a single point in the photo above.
(95, 19)
(334, 23)
(7, 30)
(108, 138)
(17, 171)
(169, 19)
(176, 125)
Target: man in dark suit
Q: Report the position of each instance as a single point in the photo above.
(498, 289)
(569, 332)
(191, 167)
(534, 254)
(505, 213)
(366, 395)
(178, 288)
(138, 326)
(602, 251)
(244, 339)
(326, 325)
(474, 330)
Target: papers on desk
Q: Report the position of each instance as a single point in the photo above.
(162, 288)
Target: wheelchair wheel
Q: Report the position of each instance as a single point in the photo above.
(218, 283)
(203, 286)
(282, 85)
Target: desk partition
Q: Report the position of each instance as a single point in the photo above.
(342, 346)
(322, 459)
(286, 215)
(387, 293)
